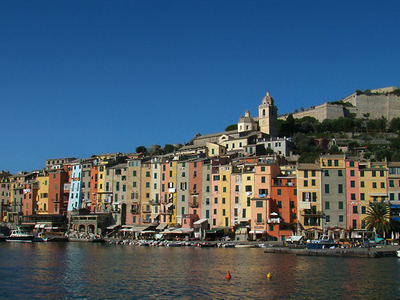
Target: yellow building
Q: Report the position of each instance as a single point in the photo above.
(42, 200)
(224, 196)
(309, 195)
(373, 185)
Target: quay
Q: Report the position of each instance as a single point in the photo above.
(372, 252)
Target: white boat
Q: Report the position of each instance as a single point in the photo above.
(398, 253)
(20, 235)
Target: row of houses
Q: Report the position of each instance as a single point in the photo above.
(270, 198)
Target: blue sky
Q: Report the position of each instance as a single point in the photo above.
(88, 77)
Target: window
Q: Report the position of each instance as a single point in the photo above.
(362, 184)
(363, 210)
(391, 196)
(391, 183)
(382, 173)
(352, 173)
(327, 205)
(361, 173)
(327, 218)
(352, 183)
(305, 183)
(291, 204)
(259, 218)
(382, 185)
(340, 173)
(215, 200)
(341, 205)
(236, 200)
(326, 173)
(340, 188)
(243, 213)
(352, 164)
(279, 204)
(262, 179)
(313, 182)
(373, 173)
(313, 173)
(329, 163)
(262, 169)
(224, 212)
(326, 188)
(341, 218)
(353, 196)
(305, 174)
(279, 191)
(374, 185)
(259, 203)
(355, 209)
(362, 196)
(336, 163)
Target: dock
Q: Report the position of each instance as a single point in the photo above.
(372, 252)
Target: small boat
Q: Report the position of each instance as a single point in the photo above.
(245, 246)
(398, 253)
(20, 235)
(325, 242)
(207, 245)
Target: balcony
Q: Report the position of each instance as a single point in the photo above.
(312, 214)
(146, 210)
(274, 220)
(260, 223)
(194, 192)
(134, 211)
(154, 202)
(194, 205)
(172, 190)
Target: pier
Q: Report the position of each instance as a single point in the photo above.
(372, 252)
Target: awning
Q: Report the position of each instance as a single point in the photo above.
(244, 220)
(112, 227)
(148, 231)
(396, 219)
(139, 227)
(153, 216)
(394, 206)
(169, 205)
(201, 221)
(161, 226)
(257, 232)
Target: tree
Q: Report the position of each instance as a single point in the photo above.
(141, 149)
(168, 148)
(395, 125)
(231, 127)
(378, 218)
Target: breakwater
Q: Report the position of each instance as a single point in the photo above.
(372, 252)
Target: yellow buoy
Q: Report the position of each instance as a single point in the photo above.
(269, 276)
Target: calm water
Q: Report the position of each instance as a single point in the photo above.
(90, 271)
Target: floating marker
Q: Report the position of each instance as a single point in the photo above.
(228, 275)
(269, 276)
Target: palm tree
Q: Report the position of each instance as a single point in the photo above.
(378, 218)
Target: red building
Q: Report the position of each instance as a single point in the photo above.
(283, 207)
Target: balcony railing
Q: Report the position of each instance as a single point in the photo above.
(194, 205)
(310, 214)
(274, 220)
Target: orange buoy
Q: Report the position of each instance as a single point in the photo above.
(269, 276)
(228, 275)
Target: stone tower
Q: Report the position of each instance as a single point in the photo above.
(267, 116)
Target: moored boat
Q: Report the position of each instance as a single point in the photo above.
(20, 235)
(324, 242)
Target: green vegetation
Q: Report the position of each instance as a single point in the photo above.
(378, 218)
(231, 127)
(377, 139)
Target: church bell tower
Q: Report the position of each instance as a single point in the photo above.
(268, 116)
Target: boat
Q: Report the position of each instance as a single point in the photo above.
(20, 235)
(398, 253)
(245, 246)
(207, 245)
(325, 242)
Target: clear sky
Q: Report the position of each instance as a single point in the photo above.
(79, 78)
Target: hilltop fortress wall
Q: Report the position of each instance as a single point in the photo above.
(377, 104)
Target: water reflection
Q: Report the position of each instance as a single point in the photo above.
(90, 271)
